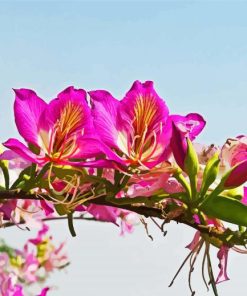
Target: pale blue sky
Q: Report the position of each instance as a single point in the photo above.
(196, 52)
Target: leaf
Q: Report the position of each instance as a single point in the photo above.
(191, 164)
(61, 209)
(225, 208)
(65, 171)
(210, 173)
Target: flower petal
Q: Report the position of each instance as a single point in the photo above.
(104, 111)
(19, 148)
(28, 108)
(191, 124)
(223, 257)
(238, 175)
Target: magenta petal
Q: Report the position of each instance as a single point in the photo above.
(66, 103)
(104, 213)
(191, 124)
(18, 291)
(179, 146)
(244, 199)
(223, 257)
(28, 108)
(44, 291)
(195, 241)
(19, 148)
(104, 111)
(15, 161)
(46, 207)
(141, 109)
(238, 175)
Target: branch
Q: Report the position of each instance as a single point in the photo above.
(148, 212)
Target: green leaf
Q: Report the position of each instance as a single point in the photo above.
(65, 171)
(191, 167)
(210, 173)
(61, 209)
(225, 208)
(35, 149)
(191, 163)
(4, 167)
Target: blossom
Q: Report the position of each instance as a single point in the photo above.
(55, 132)
(20, 268)
(133, 127)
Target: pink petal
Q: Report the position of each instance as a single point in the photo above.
(179, 145)
(15, 161)
(20, 149)
(105, 112)
(191, 124)
(28, 108)
(223, 257)
(244, 199)
(44, 291)
(103, 213)
(195, 241)
(238, 176)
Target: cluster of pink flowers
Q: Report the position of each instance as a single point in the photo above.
(88, 152)
(21, 268)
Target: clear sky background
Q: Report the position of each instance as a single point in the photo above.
(196, 53)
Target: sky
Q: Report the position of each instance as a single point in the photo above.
(196, 54)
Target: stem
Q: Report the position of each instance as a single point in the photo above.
(70, 224)
(180, 178)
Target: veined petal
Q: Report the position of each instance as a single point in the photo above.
(66, 120)
(28, 108)
(143, 109)
(142, 117)
(19, 148)
(104, 111)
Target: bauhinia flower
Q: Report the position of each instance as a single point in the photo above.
(56, 132)
(134, 128)
(137, 128)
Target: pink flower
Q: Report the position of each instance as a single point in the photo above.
(55, 132)
(134, 128)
